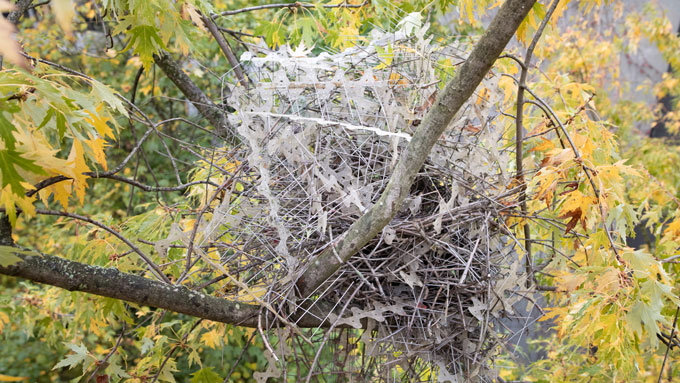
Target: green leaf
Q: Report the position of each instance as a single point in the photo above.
(145, 42)
(108, 95)
(9, 159)
(6, 129)
(79, 355)
(205, 375)
(8, 257)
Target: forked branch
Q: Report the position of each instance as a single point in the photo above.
(454, 95)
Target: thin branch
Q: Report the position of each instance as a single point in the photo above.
(519, 132)
(154, 268)
(668, 347)
(40, 4)
(195, 95)
(290, 6)
(586, 170)
(226, 49)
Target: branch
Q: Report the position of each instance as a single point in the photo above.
(454, 95)
(152, 266)
(111, 283)
(205, 106)
(147, 188)
(20, 7)
(226, 49)
(290, 6)
(519, 132)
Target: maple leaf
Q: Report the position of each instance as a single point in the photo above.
(10, 160)
(575, 216)
(205, 375)
(545, 145)
(10, 201)
(99, 122)
(211, 338)
(145, 42)
(189, 12)
(8, 258)
(97, 145)
(79, 355)
(76, 160)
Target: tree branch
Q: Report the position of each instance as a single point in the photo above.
(111, 283)
(290, 6)
(226, 49)
(454, 95)
(205, 106)
(519, 133)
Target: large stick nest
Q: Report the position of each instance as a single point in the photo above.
(320, 137)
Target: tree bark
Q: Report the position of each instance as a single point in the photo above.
(454, 95)
(111, 283)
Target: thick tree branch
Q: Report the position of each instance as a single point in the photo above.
(453, 96)
(111, 283)
(205, 106)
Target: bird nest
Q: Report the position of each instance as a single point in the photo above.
(320, 136)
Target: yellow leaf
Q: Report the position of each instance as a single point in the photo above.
(61, 190)
(211, 339)
(99, 122)
(190, 12)
(608, 281)
(469, 10)
(4, 319)
(508, 86)
(577, 200)
(97, 145)
(673, 229)
(570, 282)
(10, 201)
(76, 160)
(7, 378)
(545, 145)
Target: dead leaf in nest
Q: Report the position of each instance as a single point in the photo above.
(472, 128)
(427, 104)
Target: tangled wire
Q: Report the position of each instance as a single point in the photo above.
(320, 137)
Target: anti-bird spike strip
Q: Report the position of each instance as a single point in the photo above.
(321, 136)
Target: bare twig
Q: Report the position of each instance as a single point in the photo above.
(668, 347)
(519, 129)
(290, 6)
(226, 49)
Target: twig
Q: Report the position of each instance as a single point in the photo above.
(102, 362)
(290, 6)
(226, 49)
(154, 268)
(668, 347)
(519, 131)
